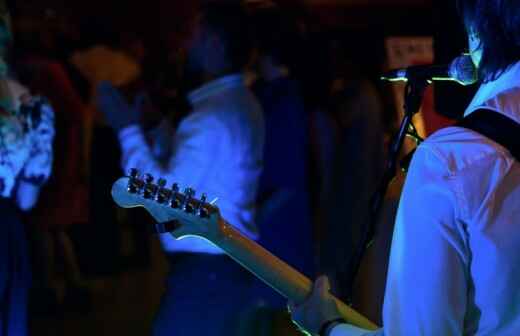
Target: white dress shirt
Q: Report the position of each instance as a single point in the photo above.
(455, 258)
(217, 150)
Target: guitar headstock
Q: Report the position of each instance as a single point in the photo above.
(195, 216)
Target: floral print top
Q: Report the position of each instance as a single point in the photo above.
(26, 137)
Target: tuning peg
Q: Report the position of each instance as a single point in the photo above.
(134, 183)
(133, 173)
(150, 189)
(163, 194)
(176, 197)
(187, 204)
(190, 192)
(201, 211)
(148, 178)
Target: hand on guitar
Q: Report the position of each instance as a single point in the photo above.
(182, 215)
(320, 307)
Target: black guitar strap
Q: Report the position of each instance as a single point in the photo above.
(495, 126)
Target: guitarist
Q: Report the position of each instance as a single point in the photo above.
(217, 148)
(454, 264)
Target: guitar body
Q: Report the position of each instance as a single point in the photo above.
(195, 217)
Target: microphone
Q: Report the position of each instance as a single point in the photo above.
(460, 70)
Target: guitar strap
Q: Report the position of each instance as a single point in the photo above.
(495, 126)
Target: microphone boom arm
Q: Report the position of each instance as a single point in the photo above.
(414, 93)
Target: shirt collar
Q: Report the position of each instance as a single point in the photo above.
(215, 87)
(490, 94)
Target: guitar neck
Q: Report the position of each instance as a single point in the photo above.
(274, 272)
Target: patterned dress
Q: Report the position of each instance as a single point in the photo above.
(25, 155)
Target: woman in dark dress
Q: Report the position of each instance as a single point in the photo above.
(26, 134)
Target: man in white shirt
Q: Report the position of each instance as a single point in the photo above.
(454, 259)
(217, 149)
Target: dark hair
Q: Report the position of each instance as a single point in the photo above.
(497, 24)
(275, 33)
(230, 22)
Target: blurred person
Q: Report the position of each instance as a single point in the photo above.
(454, 260)
(25, 164)
(100, 56)
(217, 149)
(65, 197)
(348, 139)
(316, 83)
(284, 216)
(26, 135)
(107, 55)
(355, 171)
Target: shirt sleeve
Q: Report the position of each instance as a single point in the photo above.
(195, 145)
(426, 289)
(427, 276)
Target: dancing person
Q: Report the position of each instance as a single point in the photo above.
(26, 135)
(64, 200)
(284, 214)
(217, 149)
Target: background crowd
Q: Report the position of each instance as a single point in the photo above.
(328, 120)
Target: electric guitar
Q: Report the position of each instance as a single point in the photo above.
(183, 215)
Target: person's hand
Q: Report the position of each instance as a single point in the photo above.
(319, 308)
(117, 111)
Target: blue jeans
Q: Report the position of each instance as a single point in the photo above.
(15, 273)
(205, 295)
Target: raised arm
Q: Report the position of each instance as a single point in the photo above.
(199, 139)
(197, 142)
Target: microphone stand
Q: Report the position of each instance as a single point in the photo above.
(414, 93)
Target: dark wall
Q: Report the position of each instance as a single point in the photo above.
(450, 41)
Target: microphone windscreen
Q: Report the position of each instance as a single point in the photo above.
(463, 70)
